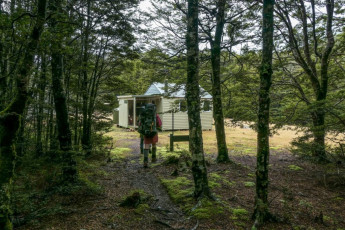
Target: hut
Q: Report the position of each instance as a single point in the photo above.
(171, 107)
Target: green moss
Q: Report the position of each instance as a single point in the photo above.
(137, 199)
(295, 168)
(215, 180)
(240, 224)
(239, 214)
(249, 184)
(338, 198)
(229, 183)
(207, 209)
(178, 188)
(119, 154)
(213, 184)
(327, 218)
(141, 209)
(251, 175)
(215, 176)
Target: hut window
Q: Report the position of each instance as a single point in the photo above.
(207, 106)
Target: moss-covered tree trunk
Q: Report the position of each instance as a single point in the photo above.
(319, 134)
(193, 102)
(218, 116)
(10, 118)
(261, 212)
(64, 133)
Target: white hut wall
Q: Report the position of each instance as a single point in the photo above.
(123, 112)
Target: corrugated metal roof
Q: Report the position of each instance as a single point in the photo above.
(173, 90)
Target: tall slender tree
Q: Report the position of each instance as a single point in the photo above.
(261, 212)
(62, 121)
(193, 103)
(10, 117)
(218, 115)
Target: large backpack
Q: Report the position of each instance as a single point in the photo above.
(147, 120)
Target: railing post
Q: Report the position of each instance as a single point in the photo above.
(171, 142)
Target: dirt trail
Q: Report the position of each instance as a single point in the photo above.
(163, 213)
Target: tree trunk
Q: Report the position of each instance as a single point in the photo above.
(42, 87)
(69, 172)
(10, 118)
(261, 212)
(86, 136)
(318, 130)
(193, 102)
(218, 116)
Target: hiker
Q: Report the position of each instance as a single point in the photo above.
(140, 111)
(148, 124)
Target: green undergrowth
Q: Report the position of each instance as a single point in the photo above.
(38, 190)
(180, 189)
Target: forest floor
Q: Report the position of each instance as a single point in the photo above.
(303, 195)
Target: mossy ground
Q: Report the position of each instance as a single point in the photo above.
(298, 201)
